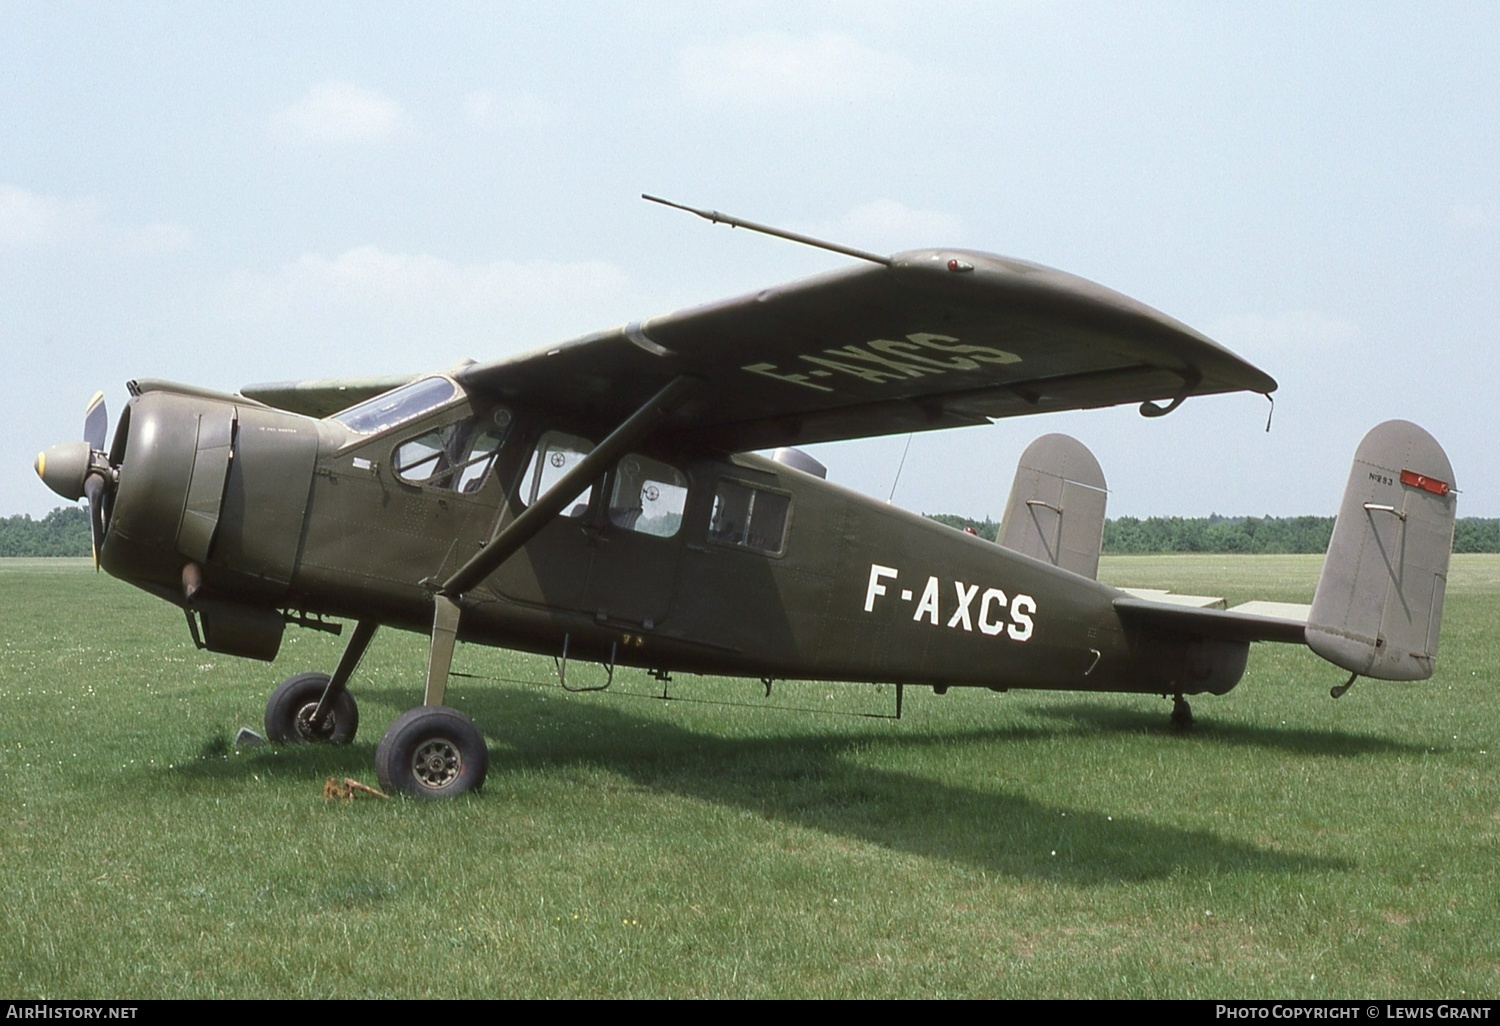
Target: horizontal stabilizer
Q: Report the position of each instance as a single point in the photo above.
(1379, 601)
(1279, 610)
(1221, 624)
(1173, 599)
(1056, 508)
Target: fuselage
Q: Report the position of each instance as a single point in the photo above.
(677, 561)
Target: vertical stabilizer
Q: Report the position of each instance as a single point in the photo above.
(1056, 507)
(1380, 597)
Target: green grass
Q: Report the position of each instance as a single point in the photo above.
(719, 844)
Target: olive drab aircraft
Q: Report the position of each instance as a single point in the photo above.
(601, 500)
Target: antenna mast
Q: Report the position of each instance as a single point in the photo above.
(765, 229)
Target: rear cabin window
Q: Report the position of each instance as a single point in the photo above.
(748, 517)
(648, 497)
(455, 457)
(556, 454)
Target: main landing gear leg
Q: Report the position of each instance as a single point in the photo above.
(440, 655)
(338, 684)
(1182, 713)
(316, 707)
(433, 751)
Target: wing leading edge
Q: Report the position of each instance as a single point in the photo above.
(935, 339)
(939, 338)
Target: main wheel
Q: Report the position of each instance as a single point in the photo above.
(432, 752)
(290, 707)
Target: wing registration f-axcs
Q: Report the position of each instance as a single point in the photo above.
(934, 339)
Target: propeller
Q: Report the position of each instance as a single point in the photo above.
(76, 470)
(95, 422)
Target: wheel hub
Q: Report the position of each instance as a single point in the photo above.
(437, 763)
(305, 728)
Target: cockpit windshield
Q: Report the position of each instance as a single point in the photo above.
(402, 404)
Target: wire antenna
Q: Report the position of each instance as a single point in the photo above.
(900, 467)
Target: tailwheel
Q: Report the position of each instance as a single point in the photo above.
(432, 752)
(1182, 713)
(290, 709)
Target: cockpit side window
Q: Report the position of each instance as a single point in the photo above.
(455, 457)
(397, 406)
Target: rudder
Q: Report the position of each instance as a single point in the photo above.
(1056, 508)
(1379, 601)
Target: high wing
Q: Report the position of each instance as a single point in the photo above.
(934, 339)
(939, 338)
(321, 397)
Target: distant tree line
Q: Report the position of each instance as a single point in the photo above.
(1473, 534)
(1218, 534)
(987, 529)
(1234, 534)
(65, 532)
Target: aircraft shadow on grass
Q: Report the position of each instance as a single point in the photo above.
(807, 778)
(1093, 717)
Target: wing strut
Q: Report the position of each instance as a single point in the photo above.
(568, 488)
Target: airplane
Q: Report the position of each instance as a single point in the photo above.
(602, 500)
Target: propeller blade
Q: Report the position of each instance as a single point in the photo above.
(81, 469)
(93, 487)
(95, 422)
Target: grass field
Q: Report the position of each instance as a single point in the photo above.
(720, 844)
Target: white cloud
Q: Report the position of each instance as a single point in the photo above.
(1467, 215)
(157, 237)
(1292, 331)
(370, 275)
(768, 67)
(889, 225)
(32, 219)
(392, 300)
(341, 112)
(1309, 352)
(524, 110)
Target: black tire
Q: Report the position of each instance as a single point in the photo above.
(432, 752)
(291, 706)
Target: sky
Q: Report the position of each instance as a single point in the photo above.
(231, 193)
